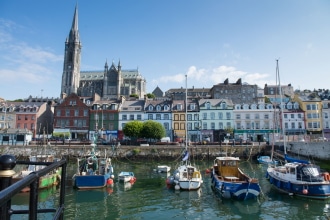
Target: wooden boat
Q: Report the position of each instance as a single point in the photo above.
(93, 172)
(163, 169)
(126, 177)
(231, 182)
(46, 181)
(266, 160)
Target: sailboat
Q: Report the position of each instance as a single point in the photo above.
(186, 176)
(298, 177)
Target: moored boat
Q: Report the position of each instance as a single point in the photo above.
(186, 177)
(163, 169)
(126, 177)
(267, 160)
(300, 179)
(231, 182)
(46, 181)
(93, 172)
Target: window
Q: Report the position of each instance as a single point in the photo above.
(256, 116)
(247, 116)
(212, 125)
(85, 112)
(131, 117)
(238, 116)
(204, 116)
(293, 125)
(228, 115)
(212, 115)
(189, 117)
(292, 115)
(179, 107)
(228, 125)
(285, 115)
(204, 125)
(158, 116)
(76, 112)
(138, 117)
(220, 125)
(166, 107)
(124, 117)
(150, 108)
(58, 113)
(208, 105)
(67, 112)
(220, 115)
(150, 117)
(266, 116)
(189, 126)
(166, 126)
(166, 117)
(158, 108)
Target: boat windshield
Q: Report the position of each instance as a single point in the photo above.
(311, 171)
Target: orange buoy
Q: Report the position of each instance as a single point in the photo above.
(305, 191)
(109, 181)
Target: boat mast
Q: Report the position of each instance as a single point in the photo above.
(186, 129)
(281, 107)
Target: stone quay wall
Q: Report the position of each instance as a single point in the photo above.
(317, 150)
(121, 152)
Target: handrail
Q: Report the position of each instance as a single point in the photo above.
(7, 163)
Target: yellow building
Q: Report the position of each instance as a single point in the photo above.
(311, 104)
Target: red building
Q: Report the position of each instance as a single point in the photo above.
(72, 115)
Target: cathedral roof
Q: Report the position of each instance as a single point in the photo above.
(99, 75)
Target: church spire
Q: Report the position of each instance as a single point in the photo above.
(71, 68)
(74, 33)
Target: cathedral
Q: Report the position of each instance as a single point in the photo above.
(110, 83)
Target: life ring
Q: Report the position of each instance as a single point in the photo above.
(326, 176)
(89, 160)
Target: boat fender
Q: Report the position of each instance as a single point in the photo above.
(109, 181)
(326, 176)
(305, 191)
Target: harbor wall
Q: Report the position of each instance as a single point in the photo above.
(317, 150)
(152, 151)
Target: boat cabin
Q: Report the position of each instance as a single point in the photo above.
(227, 168)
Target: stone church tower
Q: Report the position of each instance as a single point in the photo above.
(110, 83)
(71, 67)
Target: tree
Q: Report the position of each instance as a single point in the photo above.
(151, 96)
(134, 95)
(153, 130)
(133, 129)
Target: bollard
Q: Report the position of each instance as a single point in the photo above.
(7, 164)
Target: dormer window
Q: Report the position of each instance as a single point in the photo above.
(192, 106)
(158, 108)
(150, 108)
(223, 105)
(179, 106)
(208, 105)
(166, 107)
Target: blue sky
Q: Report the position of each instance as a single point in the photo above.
(209, 40)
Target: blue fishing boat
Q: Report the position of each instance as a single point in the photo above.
(231, 182)
(267, 160)
(300, 179)
(93, 172)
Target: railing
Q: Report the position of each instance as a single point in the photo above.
(8, 190)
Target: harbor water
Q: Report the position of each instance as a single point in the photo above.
(149, 198)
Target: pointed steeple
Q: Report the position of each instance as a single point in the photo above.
(74, 33)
